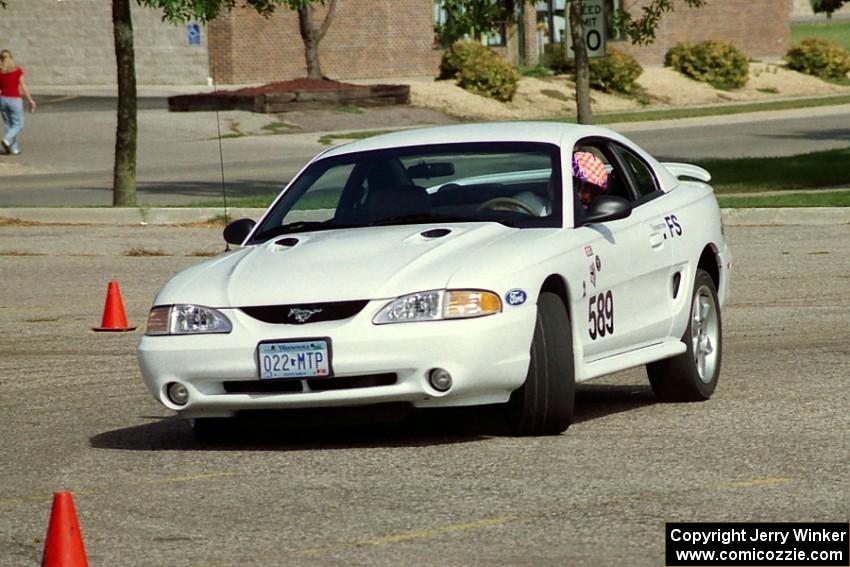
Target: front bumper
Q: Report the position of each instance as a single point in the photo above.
(487, 357)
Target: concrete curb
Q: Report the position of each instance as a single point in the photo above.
(122, 215)
(787, 216)
(179, 215)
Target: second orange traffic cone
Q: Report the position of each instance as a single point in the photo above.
(63, 546)
(114, 318)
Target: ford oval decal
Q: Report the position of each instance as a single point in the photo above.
(515, 297)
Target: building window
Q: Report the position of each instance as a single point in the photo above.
(494, 38)
(614, 32)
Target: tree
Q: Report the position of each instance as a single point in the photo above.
(473, 18)
(827, 6)
(177, 11)
(584, 111)
(640, 31)
(126, 133)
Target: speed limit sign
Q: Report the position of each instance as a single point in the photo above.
(593, 18)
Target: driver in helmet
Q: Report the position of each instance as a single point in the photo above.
(590, 178)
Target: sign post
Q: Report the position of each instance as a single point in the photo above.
(593, 17)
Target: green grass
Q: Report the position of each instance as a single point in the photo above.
(255, 202)
(804, 171)
(768, 90)
(349, 109)
(809, 199)
(836, 32)
(329, 139)
(536, 71)
(277, 127)
(678, 113)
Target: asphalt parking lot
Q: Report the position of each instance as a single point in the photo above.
(444, 488)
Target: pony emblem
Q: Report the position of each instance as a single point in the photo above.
(302, 315)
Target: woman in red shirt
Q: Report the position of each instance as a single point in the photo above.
(12, 85)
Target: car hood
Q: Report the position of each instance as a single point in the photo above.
(334, 265)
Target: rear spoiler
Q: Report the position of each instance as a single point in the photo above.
(688, 170)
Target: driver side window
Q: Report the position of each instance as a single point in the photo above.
(595, 172)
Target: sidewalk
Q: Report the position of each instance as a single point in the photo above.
(66, 166)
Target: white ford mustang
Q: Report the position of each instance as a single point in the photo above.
(453, 266)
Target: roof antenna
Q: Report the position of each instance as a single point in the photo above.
(221, 160)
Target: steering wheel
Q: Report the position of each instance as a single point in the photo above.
(499, 204)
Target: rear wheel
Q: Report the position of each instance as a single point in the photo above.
(692, 376)
(544, 404)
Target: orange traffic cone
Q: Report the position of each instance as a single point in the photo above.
(114, 318)
(64, 544)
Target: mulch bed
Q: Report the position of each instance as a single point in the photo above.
(296, 94)
(295, 85)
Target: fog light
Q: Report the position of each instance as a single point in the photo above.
(178, 394)
(440, 379)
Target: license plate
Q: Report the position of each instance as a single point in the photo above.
(294, 359)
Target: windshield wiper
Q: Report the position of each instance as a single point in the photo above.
(299, 226)
(428, 218)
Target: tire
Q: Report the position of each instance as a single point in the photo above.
(692, 376)
(544, 404)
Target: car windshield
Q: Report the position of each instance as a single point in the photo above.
(509, 183)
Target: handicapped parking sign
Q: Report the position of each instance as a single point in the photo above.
(193, 30)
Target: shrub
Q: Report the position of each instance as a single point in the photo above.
(820, 58)
(455, 57)
(480, 70)
(617, 72)
(718, 63)
(555, 57)
(490, 76)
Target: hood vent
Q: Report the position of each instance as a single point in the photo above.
(436, 233)
(288, 242)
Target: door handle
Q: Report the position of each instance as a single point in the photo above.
(656, 239)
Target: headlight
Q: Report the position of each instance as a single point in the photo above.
(439, 304)
(186, 320)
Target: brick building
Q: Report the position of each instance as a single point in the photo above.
(368, 38)
(395, 38)
(71, 43)
(68, 43)
(759, 28)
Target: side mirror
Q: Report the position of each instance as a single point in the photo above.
(237, 231)
(606, 208)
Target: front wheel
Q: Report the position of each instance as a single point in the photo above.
(544, 404)
(692, 376)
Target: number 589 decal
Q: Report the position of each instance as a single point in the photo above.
(600, 315)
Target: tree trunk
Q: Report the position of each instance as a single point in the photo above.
(582, 62)
(312, 36)
(124, 172)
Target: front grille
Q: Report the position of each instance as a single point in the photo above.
(289, 385)
(302, 313)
